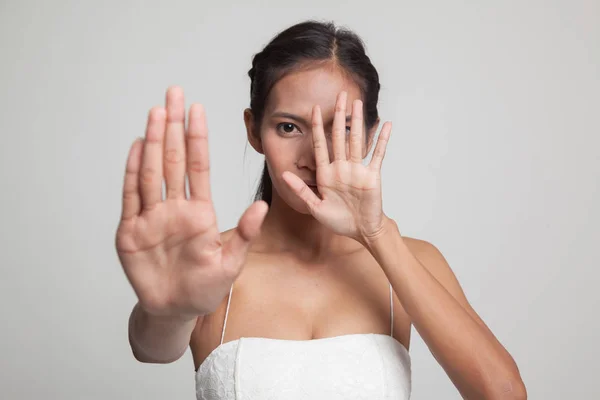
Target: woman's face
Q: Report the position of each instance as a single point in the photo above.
(286, 130)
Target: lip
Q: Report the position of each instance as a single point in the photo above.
(312, 186)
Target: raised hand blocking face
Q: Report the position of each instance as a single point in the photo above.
(350, 202)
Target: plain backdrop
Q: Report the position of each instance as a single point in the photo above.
(494, 158)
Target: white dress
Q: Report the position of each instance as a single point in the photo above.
(367, 366)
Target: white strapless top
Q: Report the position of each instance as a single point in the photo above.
(362, 366)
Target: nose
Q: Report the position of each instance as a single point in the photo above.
(307, 151)
(306, 154)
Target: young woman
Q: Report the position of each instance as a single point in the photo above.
(313, 294)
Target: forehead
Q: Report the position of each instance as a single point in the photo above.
(299, 91)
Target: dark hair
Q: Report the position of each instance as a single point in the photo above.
(301, 45)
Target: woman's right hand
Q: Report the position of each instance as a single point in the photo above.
(171, 249)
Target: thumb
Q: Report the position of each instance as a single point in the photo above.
(236, 248)
(301, 190)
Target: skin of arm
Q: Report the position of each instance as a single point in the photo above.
(160, 340)
(474, 360)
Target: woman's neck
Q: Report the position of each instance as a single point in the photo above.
(287, 231)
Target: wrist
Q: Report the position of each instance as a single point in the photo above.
(167, 319)
(158, 338)
(386, 227)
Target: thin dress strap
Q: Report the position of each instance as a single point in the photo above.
(226, 314)
(391, 311)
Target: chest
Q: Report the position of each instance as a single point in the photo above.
(309, 301)
(280, 298)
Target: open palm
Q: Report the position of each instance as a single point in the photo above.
(350, 202)
(171, 248)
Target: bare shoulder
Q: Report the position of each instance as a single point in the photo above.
(420, 247)
(430, 257)
(434, 261)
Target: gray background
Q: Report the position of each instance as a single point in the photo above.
(494, 158)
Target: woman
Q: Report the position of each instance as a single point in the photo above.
(313, 294)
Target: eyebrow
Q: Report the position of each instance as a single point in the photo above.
(282, 114)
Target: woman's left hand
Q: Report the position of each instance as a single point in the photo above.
(350, 202)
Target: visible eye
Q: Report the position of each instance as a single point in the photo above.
(287, 128)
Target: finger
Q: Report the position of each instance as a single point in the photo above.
(318, 136)
(151, 173)
(382, 142)
(236, 248)
(131, 194)
(356, 132)
(174, 151)
(302, 190)
(339, 128)
(198, 167)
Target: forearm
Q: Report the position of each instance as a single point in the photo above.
(156, 339)
(474, 360)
